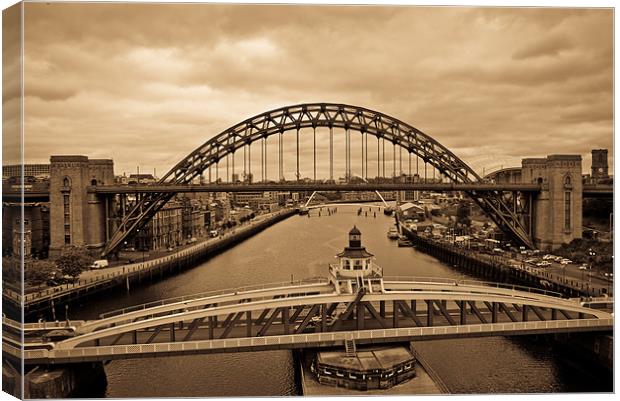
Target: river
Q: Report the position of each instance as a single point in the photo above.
(302, 247)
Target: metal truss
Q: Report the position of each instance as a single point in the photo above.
(294, 118)
(333, 317)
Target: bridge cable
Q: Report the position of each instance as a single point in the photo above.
(298, 154)
(366, 140)
(331, 153)
(314, 150)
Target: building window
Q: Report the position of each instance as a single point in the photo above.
(66, 182)
(67, 218)
(93, 182)
(567, 211)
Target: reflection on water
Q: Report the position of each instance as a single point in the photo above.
(302, 247)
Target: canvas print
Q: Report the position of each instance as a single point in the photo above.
(217, 200)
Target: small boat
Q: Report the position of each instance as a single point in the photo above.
(388, 210)
(404, 241)
(393, 233)
(303, 210)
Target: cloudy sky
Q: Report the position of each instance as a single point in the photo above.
(146, 84)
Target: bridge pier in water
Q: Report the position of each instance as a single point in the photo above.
(86, 379)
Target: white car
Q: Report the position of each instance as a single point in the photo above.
(583, 267)
(543, 264)
(566, 261)
(548, 257)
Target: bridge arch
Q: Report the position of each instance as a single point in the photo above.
(314, 115)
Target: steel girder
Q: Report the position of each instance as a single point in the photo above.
(312, 116)
(312, 318)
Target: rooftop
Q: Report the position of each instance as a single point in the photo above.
(376, 358)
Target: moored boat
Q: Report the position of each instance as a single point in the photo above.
(404, 241)
(393, 233)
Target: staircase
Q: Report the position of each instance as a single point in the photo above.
(349, 347)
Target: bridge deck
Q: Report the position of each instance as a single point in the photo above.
(308, 315)
(310, 187)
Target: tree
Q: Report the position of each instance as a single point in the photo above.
(73, 261)
(11, 271)
(462, 214)
(38, 271)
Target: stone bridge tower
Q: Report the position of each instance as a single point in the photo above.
(77, 217)
(557, 208)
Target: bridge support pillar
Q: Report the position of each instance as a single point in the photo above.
(360, 316)
(82, 380)
(463, 307)
(430, 311)
(78, 217)
(395, 313)
(557, 209)
(212, 324)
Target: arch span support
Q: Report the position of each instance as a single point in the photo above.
(294, 118)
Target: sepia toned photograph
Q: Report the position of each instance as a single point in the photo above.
(261, 200)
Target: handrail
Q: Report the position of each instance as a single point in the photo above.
(481, 283)
(109, 351)
(167, 301)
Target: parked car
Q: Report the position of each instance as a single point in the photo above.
(99, 264)
(566, 261)
(583, 267)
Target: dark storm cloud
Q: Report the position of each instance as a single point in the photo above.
(148, 83)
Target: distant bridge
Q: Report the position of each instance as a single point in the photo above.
(300, 315)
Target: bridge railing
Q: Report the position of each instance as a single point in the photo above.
(481, 283)
(330, 338)
(199, 295)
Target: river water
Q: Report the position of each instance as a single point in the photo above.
(302, 247)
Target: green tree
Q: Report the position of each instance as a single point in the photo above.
(73, 261)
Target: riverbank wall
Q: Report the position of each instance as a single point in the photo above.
(48, 303)
(492, 268)
(594, 348)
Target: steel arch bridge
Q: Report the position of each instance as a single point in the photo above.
(301, 315)
(314, 115)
